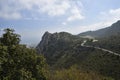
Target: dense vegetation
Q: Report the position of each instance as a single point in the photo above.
(111, 43)
(66, 58)
(63, 52)
(54, 45)
(74, 73)
(17, 62)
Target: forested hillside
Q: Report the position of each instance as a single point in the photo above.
(60, 56)
(111, 43)
(18, 62)
(54, 46)
(59, 39)
(63, 50)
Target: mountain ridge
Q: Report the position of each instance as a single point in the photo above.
(104, 32)
(62, 50)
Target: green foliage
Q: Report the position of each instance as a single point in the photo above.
(17, 62)
(10, 38)
(111, 43)
(54, 46)
(74, 73)
(90, 59)
(103, 63)
(63, 52)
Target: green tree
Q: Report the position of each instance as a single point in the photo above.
(18, 62)
(10, 38)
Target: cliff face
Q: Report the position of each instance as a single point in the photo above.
(55, 45)
(54, 40)
(43, 42)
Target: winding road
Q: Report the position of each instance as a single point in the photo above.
(83, 44)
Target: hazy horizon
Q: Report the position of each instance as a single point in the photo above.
(32, 18)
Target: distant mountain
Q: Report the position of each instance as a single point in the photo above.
(105, 32)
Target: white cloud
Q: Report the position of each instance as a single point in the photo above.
(8, 12)
(64, 23)
(51, 7)
(91, 27)
(13, 9)
(76, 14)
(115, 12)
(110, 16)
(76, 11)
(13, 15)
(55, 9)
(106, 19)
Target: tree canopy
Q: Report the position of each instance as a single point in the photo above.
(18, 62)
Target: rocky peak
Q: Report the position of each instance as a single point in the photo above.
(49, 39)
(44, 41)
(46, 36)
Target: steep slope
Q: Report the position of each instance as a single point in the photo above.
(105, 32)
(63, 50)
(53, 46)
(111, 43)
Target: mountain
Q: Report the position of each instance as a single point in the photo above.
(54, 45)
(105, 32)
(63, 50)
(111, 43)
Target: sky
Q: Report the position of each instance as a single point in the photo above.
(32, 18)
